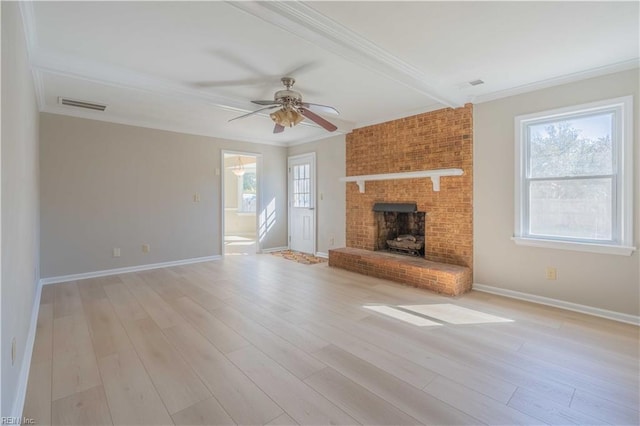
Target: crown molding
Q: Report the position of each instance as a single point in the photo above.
(38, 85)
(305, 22)
(29, 25)
(556, 81)
(31, 37)
(148, 124)
(176, 128)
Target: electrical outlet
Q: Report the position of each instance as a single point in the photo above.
(116, 252)
(146, 248)
(551, 273)
(13, 351)
(196, 198)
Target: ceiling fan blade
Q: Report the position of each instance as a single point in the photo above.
(318, 120)
(226, 83)
(278, 129)
(321, 108)
(272, 102)
(300, 69)
(254, 112)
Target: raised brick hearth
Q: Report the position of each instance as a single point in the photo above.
(440, 139)
(448, 279)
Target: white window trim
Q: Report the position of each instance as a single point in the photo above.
(625, 183)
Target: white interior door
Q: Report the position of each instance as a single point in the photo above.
(302, 202)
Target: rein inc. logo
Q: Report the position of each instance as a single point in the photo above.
(17, 421)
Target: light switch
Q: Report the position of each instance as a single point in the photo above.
(196, 198)
(116, 252)
(146, 248)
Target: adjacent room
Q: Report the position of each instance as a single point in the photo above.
(315, 212)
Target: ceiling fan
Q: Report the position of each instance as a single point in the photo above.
(291, 109)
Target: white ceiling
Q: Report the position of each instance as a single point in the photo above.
(373, 61)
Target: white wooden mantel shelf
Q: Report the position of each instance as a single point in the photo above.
(435, 176)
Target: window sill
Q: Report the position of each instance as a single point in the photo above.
(574, 246)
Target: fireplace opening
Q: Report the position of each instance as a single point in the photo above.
(401, 228)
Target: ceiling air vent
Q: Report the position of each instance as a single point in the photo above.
(81, 104)
(476, 82)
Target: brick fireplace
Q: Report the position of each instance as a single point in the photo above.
(435, 140)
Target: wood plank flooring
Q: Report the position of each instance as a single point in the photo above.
(260, 340)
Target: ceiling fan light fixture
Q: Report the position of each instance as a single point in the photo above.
(286, 117)
(291, 110)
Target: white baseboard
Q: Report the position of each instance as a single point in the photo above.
(590, 310)
(23, 378)
(322, 254)
(274, 249)
(104, 273)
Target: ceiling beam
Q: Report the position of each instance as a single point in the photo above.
(305, 22)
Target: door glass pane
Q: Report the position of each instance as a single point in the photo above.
(572, 208)
(301, 186)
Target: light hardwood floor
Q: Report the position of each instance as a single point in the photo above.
(263, 340)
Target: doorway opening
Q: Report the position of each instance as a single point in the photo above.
(240, 202)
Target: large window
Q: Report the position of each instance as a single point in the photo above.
(574, 177)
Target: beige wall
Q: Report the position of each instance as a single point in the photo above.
(108, 185)
(331, 198)
(598, 280)
(20, 234)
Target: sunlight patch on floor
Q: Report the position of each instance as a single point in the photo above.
(239, 245)
(453, 314)
(402, 316)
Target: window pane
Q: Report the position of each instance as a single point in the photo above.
(249, 181)
(578, 146)
(571, 208)
(247, 186)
